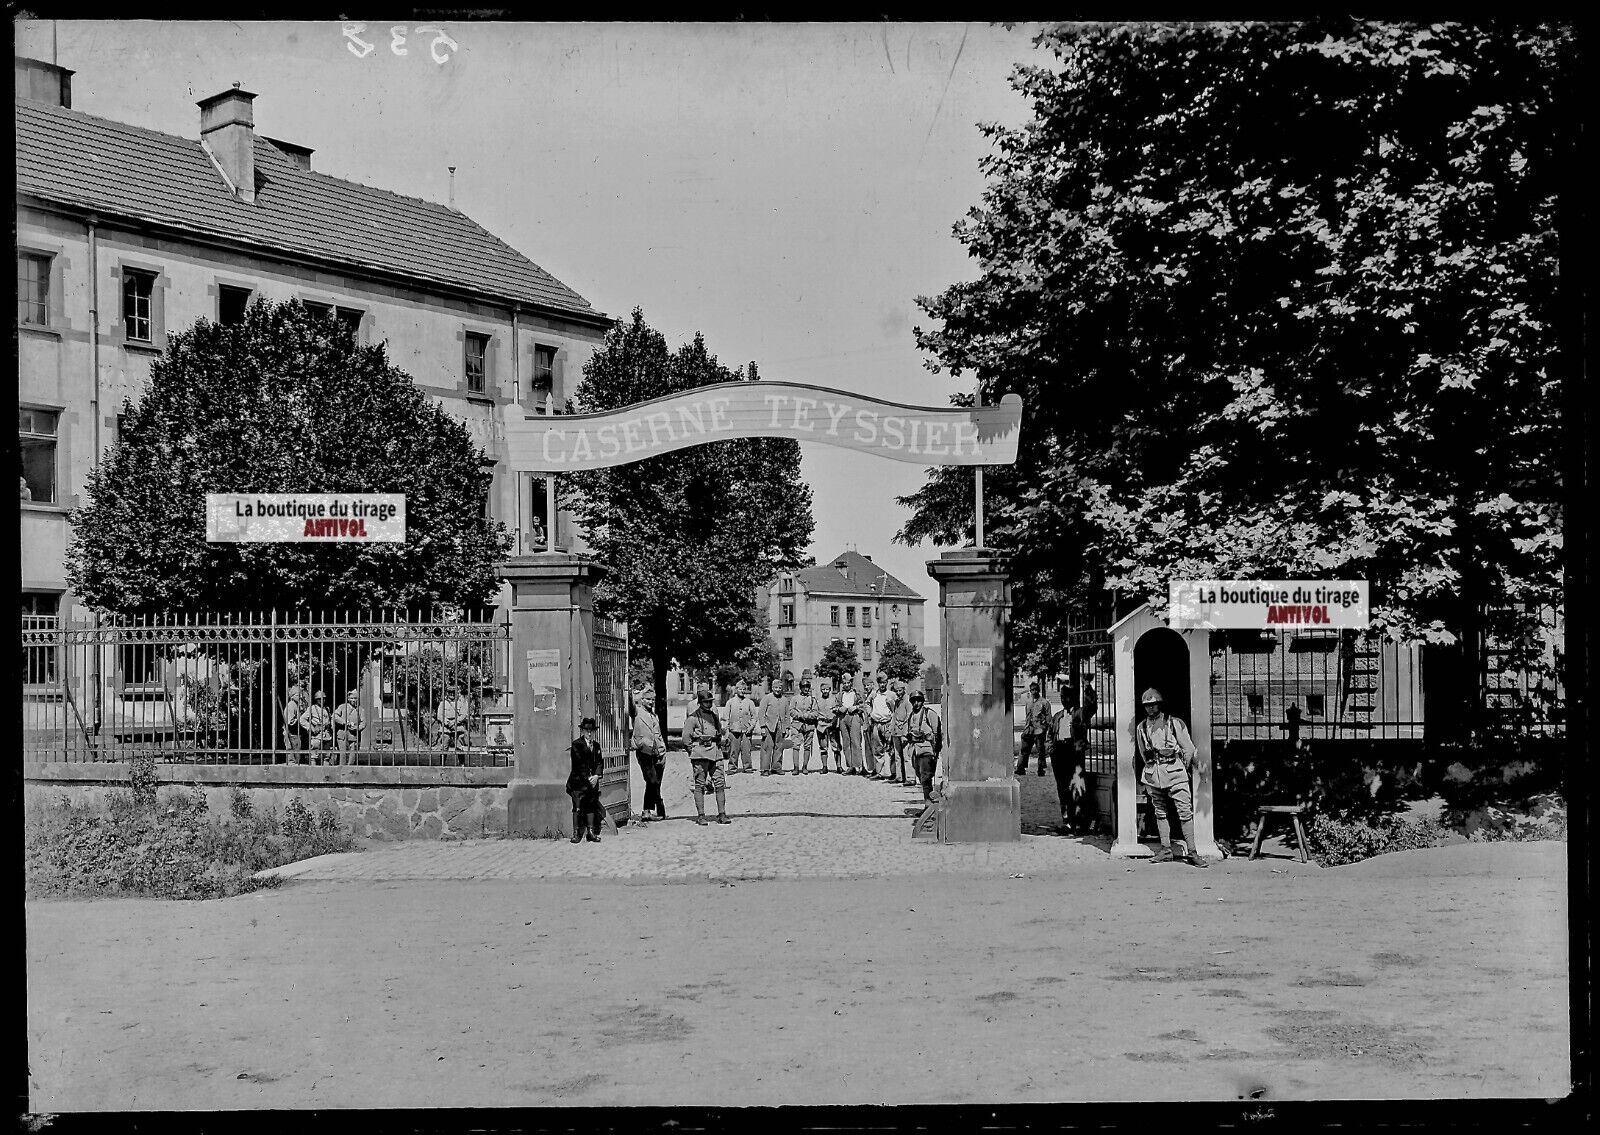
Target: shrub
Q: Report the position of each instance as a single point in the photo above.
(170, 847)
(1542, 817)
(239, 804)
(1335, 842)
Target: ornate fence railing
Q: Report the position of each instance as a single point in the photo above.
(384, 688)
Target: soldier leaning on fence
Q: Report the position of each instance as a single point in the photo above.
(1162, 757)
(294, 705)
(702, 732)
(317, 720)
(651, 749)
(348, 725)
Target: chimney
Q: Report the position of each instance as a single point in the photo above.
(44, 82)
(844, 568)
(228, 134)
(299, 155)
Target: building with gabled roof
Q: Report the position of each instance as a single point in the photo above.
(125, 234)
(847, 597)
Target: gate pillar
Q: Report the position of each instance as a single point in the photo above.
(552, 682)
(983, 801)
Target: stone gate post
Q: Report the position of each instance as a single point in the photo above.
(552, 682)
(983, 801)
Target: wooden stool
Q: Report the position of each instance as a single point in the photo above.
(1293, 811)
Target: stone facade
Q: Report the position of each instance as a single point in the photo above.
(391, 805)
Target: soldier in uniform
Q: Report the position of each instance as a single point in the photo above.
(583, 782)
(348, 725)
(828, 726)
(851, 707)
(293, 707)
(317, 720)
(924, 740)
(451, 718)
(702, 732)
(742, 711)
(807, 712)
(1163, 755)
(880, 715)
(899, 767)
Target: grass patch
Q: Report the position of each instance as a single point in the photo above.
(167, 844)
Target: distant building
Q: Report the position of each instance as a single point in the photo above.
(126, 235)
(848, 597)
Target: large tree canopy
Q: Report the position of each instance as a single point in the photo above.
(286, 401)
(1279, 301)
(688, 536)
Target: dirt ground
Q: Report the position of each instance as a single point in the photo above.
(1427, 974)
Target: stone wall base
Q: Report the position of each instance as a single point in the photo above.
(982, 811)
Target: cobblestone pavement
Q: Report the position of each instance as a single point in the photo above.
(783, 827)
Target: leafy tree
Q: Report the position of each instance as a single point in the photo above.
(688, 536)
(838, 659)
(932, 679)
(899, 659)
(285, 401)
(1280, 300)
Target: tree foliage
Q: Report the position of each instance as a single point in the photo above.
(899, 659)
(1279, 300)
(838, 659)
(688, 536)
(285, 401)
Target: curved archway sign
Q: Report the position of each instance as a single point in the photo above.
(951, 435)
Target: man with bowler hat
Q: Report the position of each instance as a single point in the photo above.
(583, 782)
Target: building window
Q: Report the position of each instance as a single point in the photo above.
(786, 615)
(1315, 705)
(866, 650)
(866, 616)
(1257, 703)
(853, 648)
(33, 290)
(36, 437)
(231, 304)
(138, 290)
(849, 616)
(350, 319)
(833, 616)
(41, 611)
(321, 310)
(683, 682)
(786, 583)
(544, 375)
(477, 363)
(894, 630)
(788, 650)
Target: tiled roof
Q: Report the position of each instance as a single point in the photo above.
(76, 159)
(859, 575)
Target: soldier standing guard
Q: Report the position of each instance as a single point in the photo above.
(702, 732)
(348, 725)
(1162, 757)
(925, 740)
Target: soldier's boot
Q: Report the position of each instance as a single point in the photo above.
(700, 806)
(594, 827)
(1162, 856)
(722, 808)
(577, 826)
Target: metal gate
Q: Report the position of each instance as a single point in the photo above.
(611, 713)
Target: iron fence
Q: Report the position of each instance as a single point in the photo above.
(611, 714)
(1087, 667)
(1315, 684)
(384, 688)
(1520, 668)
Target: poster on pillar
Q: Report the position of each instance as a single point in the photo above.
(544, 678)
(975, 670)
(926, 435)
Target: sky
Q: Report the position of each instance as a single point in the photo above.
(788, 190)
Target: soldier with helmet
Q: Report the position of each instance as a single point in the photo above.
(702, 732)
(1163, 756)
(807, 712)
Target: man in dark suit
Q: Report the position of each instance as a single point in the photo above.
(583, 782)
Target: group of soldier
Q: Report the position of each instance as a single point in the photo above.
(313, 734)
(882, 731)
